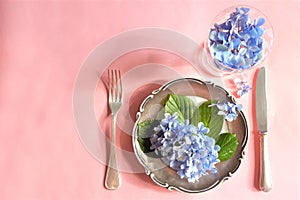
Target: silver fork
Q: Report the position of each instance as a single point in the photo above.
(112, 179)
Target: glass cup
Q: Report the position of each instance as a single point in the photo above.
(240, 38)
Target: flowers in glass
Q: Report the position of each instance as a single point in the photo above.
(238, 42)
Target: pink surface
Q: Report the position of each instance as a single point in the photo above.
(44, 43)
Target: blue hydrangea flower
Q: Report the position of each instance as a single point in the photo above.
(185, 148)
(242, 86)
(238, 42)
(228, 110)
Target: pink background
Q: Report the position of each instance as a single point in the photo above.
(44, 43)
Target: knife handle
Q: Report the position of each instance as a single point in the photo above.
(265, 179)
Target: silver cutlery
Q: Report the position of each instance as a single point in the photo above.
(112, 179)
(265, 179)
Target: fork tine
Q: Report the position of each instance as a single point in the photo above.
(113, 90)
(115, 85)
(109, 84)
(116, 89)
(119, 86)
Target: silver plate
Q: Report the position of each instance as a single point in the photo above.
(164, 175)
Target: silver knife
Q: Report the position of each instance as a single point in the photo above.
(265, 179)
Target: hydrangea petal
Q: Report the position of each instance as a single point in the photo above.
(260, 21)
(245, 10)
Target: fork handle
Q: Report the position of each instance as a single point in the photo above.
(112, 179)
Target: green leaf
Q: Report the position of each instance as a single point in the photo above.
(196, 118)
(206, 111)
(143, 125)
(228, 143)
(210, 118)
(145, 131)
(182, 105)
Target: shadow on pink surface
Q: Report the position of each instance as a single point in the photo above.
(255, 134)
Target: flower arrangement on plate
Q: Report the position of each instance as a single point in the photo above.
(188, 138)
(194, 139)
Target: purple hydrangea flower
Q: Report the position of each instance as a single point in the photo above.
(185, 148)
(238, 42)
(242, 86)
(228, 110)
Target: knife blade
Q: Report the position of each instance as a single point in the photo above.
(261, 101)
(265, 180)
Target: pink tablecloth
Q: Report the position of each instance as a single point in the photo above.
(44, 43)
